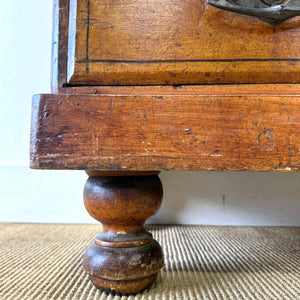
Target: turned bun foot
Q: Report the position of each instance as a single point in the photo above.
(123, 257)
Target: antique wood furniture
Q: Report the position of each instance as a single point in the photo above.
(140, 87)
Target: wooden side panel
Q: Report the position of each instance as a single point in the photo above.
(155, 133)
(177, 42)
(59, 45)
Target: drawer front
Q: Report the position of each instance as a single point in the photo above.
(138, 42)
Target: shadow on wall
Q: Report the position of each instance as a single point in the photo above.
(230, 198)
(209, 198)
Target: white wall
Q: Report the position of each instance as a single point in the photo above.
(56, 196)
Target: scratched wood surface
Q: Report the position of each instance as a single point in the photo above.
(155, 133)
(188, 90)
(141, 42)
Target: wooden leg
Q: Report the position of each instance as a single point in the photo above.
(123, 257)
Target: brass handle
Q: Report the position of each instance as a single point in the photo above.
(272, 11)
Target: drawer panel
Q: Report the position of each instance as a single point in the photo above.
(126, 42)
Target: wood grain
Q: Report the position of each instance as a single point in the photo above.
(124, 257)
(189, 90)
(103, 118)
(155, 133)
(59, 45)
(177, 42)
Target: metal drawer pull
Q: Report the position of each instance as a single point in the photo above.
(272, 11)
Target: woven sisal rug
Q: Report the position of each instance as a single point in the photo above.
(44, 262)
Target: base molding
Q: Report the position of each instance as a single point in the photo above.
(118, 133)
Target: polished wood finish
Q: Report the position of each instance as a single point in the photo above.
(126, 105)
(155, 133)
(123, 257)
(177, 42)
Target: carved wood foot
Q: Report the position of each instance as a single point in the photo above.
(123, 257)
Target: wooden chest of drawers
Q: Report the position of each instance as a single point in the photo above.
(140, 87)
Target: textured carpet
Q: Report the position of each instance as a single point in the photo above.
(201, 262)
